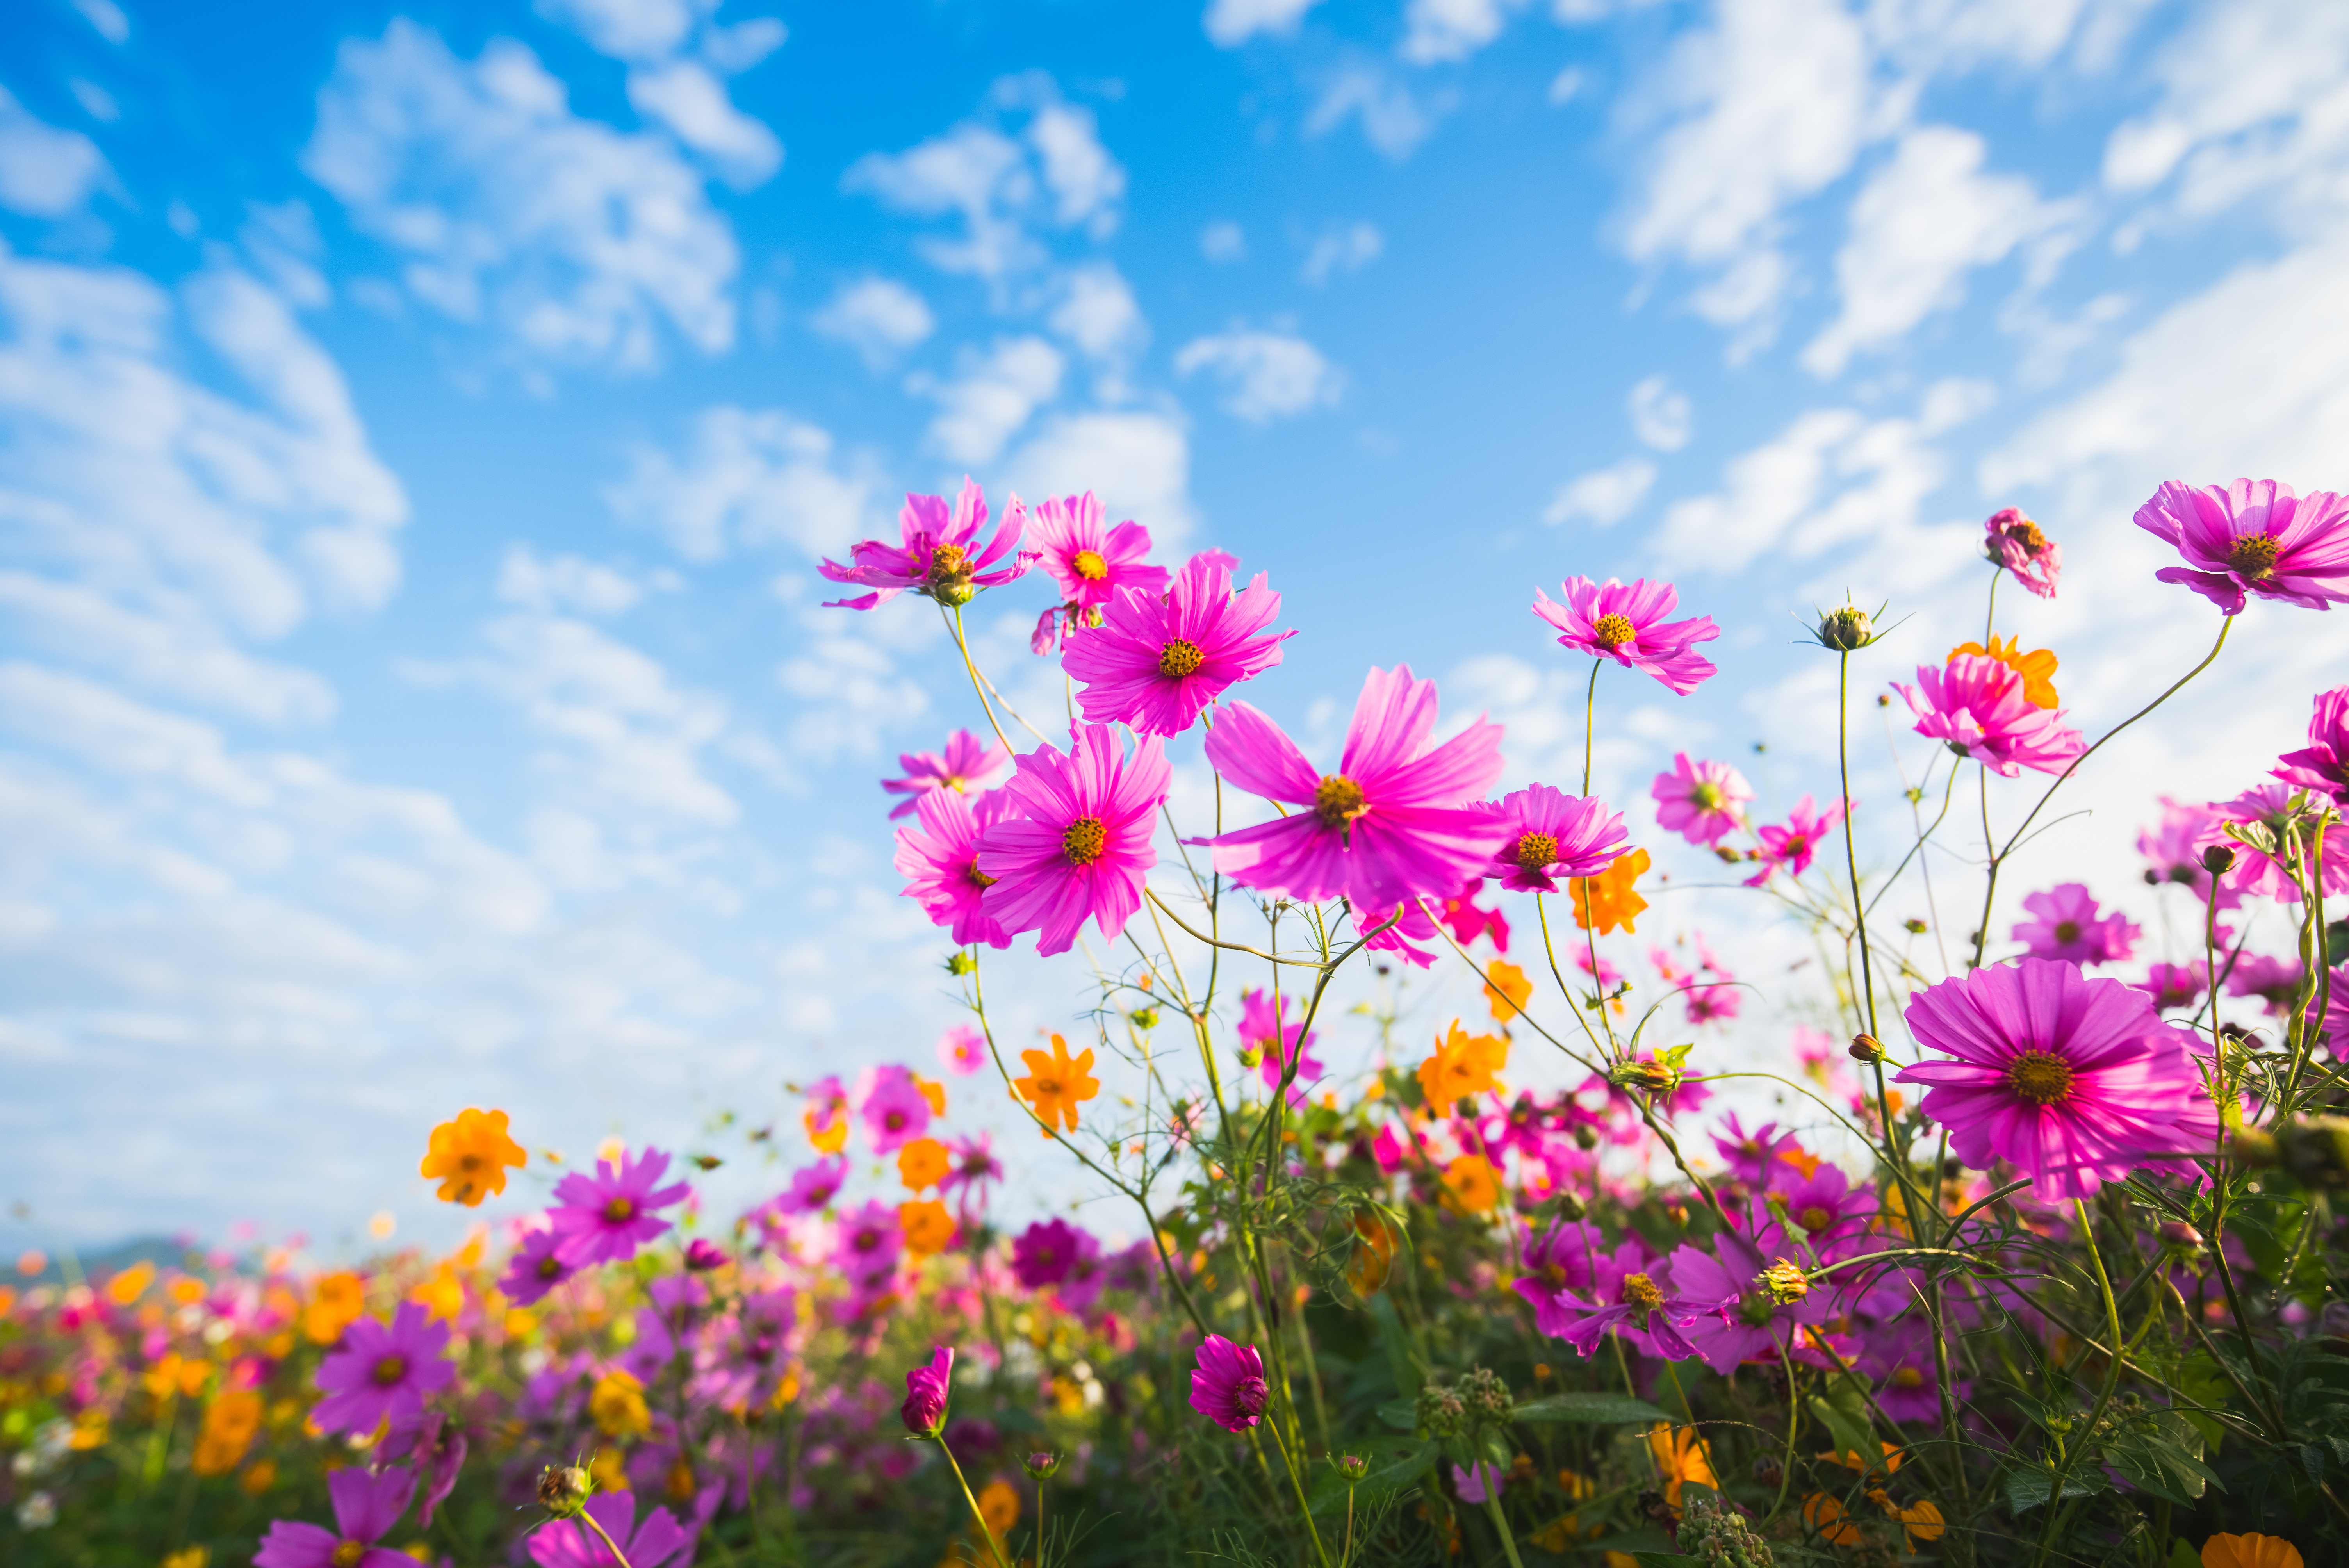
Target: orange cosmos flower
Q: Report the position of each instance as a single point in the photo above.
(928, 1227)
(130, 1284)
(1923, 1521)
(2036, 667)
(1826, 1516)
(441, 1296)
(1471, 1185)
(1056, 1084)
(1462, 1067)
(1506, 989)
(230, 1422)
(469, 1155)
(1375, 1243)
(1608, 898)
(339, 1300)
(2249, 1552)
(1680, 1455)
(922, 1163)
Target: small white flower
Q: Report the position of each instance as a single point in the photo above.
(37, 1512)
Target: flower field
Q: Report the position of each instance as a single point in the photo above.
(2033, 1265)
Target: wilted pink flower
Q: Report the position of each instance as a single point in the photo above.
(2075, 1082)
(813, 1187)
(535, 1268)
(1468, 922)
(1042, 1253)
(366, 1508)
(2016, 542)
(382, 1372)
(940, 556)
(893, 1107)
(1266, 1030)
(2172, 985)
(1700, 801)
(1976, 705)
(1554, 834)
(1790, 848)
(2257, 871)
(1157, 660)
(660, 1541)
(926, 1388)
(1082, 846)
(1400, 820)
(2070, 927)
(1228, 1386)
(940, 860)
(963, 1051)
(2323, 765)
(1627, 625)
(605, 1217)
(2253, 536)
(967, 765)
(2174, 852)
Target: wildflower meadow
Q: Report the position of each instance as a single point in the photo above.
(2032, 1267)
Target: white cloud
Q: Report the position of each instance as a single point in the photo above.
(95, 100)
(1392, 118)
(879, 317)
(1138, 462)
(1949, 36)
(1921, 222)
(747, 477)
(1662, 415)
(106, 17)
(1097, 313)
(1603, 496)
(1440, 31)
(566, 583)
(574, 238)
(1346, 248)
(1234, 22)
(695, 106)
(990, 397)
(45, 172)
(1086, 182)
(630, 29)
(1267, 376)
(1223, 240)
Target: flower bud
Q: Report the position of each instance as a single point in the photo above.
(1584, 1139)
(563, 1490)
(1145, 1018)
(1569, 1207)
(1784, 1282)
(960, 963)
(704, 1254)
(1913, 927)
(1846, 629)
(925, 1410)
(1865, 1048)
(2178, 1233)
(1353, 1467)
(2218, 859)
(2253, 1147)
(1042, 1467)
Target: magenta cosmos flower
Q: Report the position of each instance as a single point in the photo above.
(2253, 536)
(1266, 1030)
(926, 1388)
(894, 1109)
(1554, 834)
(567, 1543)
(1976, 705)
(2172, 985)
(966, 765)
(536, 1267)
(1700, 801)
(1082, 844)
(939, 859)
(1627, 625)
(1089, 561)
(813, 1187)
(1157, 661)
(383, 1372)
(2174, 852)
(1398, 821)
(940, 556)
(2070, 926)
(1041, 1254)
(2016, 542)
(605, 1217)
(2073, 1081)
(1791, 847)
(2257, 871)
(1228, 1386)
(366, 1508)
(2323, 765)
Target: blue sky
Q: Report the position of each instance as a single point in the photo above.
(418, 426)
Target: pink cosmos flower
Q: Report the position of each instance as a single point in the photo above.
(658, 1541)
(2274, 981)
(868, 1242)
(2174, 852)
(366, 1508)
(967, 764)
(1042, 1253)
(2070, 927)
(894, 1109)
(1717, 1001)
(940, 860)
(382, 1372)
(1976, 705)
(1156, 662)
(605, 1217)
(2253, 536)
(1564, 1257)
(1398, 821)
(2256, 872)
(1907, 1380)
(1753, 1157)
(813, 1187)
(974, 1165)
(941, 557)
(1700, 801)
(1790, 848)
(963, 1051)
(2323, 765)
(1090, 563)
(1080, 1289)
(1627, 625)
(926, 1388)
(2173, 985)
(2075, 1082)
(1468, 922)
(536, 1267)
(1628, 1295)
(1825, 1206)
(1082, 844)
(1554, 834)
(1266, 1031)
(1736, 1317)
(2016, 542)
(1228, 1386)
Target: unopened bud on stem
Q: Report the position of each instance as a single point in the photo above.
(1867, 1049)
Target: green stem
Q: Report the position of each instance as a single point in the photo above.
(978, 1518)
(1590, 722)
(1298, 1485)
(2087, 1430)
(610, 1545)
(1501, 1523)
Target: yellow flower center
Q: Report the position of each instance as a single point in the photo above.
(620, 1211)
(1796, 845)
(2039, 1077)
(980, 878)
(948, 565)
(2067, 931)
(1090, 565)
(389, 1370)
(1180, 658)
(1338, 801)
(549, 1266)
(892, 1119)
(2253, 555)
(1640, 1291)
(347, 1553)
(2025, 533)
(1084, 841)
(1047, 1085)
(1613, 630)
(1535, 851)
(1816, 1217)
(1706, 795)
(1908, 1378)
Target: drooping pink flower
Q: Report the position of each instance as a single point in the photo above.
(1042, 1253)
(1626, 625)
(2069, 926)
(1266, 1031)
(2323, 765)
(1227, 1387)
(1791, 847)
(702, 1255)
(658, 1541)
(1977, 706)
(2075, 1082)
(2173, 985)
(536, 1267)
(382, 1372)
(2016, 542)
(813, 1187)
(2174, 852)
(968, 763)
(605, 1217)
(1468, 922)
(940, 556)
(893, 1107)
(1090, 560)
(926, 1388)
(1552, 835)
(366, 1508)
(1082, 845)
(1157, 661)
(1400, 820)
(963, 1051)
(1700, 801)
(939, 859)
(2254, 536)
(2258, 872)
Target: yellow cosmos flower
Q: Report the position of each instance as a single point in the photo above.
(442, 1295)
(1506, 989)
(1056, 1084)
(928, 1225)
(1606, 899)
(469, 1155)
(922, 1163)
(258, 1479)
(2036, 667)
(193, 1557)
(617, 1407)
(1680, 1455)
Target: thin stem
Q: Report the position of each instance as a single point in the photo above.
(1590, 722)
(2086, 1429)
(1501, 1523)
(1297, 1484)
(1850, 854)
(610, 1545)
(993, 1545)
